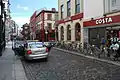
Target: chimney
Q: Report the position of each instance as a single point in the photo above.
(53, 9)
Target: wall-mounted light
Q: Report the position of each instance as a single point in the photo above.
(92, 18)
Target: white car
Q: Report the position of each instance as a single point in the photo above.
(36, 50)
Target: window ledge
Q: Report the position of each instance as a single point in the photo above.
(108, 13)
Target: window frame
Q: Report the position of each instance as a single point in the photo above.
(62, 11)
(49, 16)
(69, 8)
(77, 4)
(49, 27)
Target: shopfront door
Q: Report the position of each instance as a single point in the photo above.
(95, 35)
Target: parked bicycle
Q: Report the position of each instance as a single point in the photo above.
(114, 51)
(104, 51)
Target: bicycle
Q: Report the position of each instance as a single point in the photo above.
(104, 51)
(87, 49)
(79, 47)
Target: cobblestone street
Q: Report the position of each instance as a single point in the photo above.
(65, 66)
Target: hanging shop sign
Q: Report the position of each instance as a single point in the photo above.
(104, 20)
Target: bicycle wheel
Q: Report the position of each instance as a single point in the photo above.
(112, 55)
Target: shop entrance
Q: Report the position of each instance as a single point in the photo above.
(95, 35)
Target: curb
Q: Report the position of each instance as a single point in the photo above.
(19, 73)
(90, 57)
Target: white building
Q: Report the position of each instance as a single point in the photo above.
(70, 20)
(88, 20)
(101, 19)
(7, 22)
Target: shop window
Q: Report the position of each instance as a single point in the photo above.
(68, 33)
(62, 33)
(52, 35)
(77, 32)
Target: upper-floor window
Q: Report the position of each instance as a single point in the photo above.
(113, 3)
(49, 16)
(77, 6)
(62, 10)
(56, 16)
(68, 8)
(49, 26)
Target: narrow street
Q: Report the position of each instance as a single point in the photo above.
(65, 66)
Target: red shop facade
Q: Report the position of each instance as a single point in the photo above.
(106, 27)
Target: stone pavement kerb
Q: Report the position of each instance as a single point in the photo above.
(18, 72)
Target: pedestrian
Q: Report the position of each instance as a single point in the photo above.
(103, 43)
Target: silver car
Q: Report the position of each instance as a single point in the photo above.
(36, 50)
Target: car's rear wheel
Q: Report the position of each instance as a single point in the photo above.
(26, 59)
(0, 53)
(46, 59)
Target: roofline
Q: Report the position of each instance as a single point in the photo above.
(46, 11)
(33, 14)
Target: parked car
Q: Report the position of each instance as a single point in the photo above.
(36, 50)
(33, 50)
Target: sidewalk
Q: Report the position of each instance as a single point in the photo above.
(10, 66)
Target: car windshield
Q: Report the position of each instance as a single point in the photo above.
(35, 45)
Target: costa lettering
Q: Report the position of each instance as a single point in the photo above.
(104, 20)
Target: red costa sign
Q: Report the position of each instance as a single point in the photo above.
(101, 21)
(104, 20)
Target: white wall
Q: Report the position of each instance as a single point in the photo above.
(93, 8)
(50, 21)
(109, 7)
(53, 16)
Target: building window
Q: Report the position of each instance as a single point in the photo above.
(49, 16)
(77, 6)
(113, 3)
(52, 35)
(69, 32)
(68, 8)
(62, 10)
(49, 26)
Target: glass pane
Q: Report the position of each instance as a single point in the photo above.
(36, 45)
(77, 2)
(78, 8)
